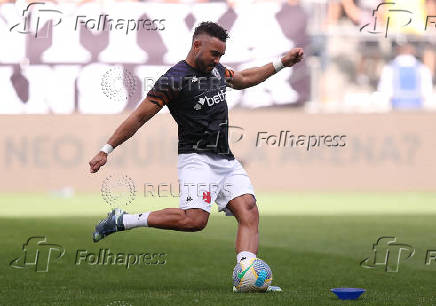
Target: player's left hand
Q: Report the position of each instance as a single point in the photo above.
(292, 57)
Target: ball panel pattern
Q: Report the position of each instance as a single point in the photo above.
(252, 275)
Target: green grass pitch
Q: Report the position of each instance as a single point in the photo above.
(312, 242)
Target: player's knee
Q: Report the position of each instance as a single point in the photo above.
(250, 213)
(250, 203)
(199, 225)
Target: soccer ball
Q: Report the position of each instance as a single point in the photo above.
(252, 275)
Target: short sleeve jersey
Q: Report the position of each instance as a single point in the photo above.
(197, 102)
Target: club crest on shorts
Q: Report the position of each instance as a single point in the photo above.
(206, 197)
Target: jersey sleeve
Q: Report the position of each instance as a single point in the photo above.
(165, 90)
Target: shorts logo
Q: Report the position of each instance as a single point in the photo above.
(206, 197)
(188, 199)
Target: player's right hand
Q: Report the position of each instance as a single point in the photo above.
(293, 57)
(99, 160)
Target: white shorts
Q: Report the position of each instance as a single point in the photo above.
(206, 178)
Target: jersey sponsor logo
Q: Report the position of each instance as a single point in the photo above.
(206, 196)
(219, 97)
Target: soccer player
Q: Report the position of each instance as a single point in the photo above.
(194, 90)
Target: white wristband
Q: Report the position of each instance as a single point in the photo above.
(278, 65)
(107, 148)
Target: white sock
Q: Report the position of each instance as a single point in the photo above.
(132, 221)
(244, 255)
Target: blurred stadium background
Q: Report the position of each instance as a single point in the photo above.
(65, 85)
(373, 84)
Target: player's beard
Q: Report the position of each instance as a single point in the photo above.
(202, 64)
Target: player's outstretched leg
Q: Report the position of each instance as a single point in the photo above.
(189, 220)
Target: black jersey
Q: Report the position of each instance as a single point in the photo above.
(197, 102)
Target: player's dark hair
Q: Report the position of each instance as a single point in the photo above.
(212, 29)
